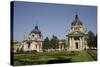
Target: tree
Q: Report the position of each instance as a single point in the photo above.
(91, 39)
(95, 41)
(46, 44)
(54, 42)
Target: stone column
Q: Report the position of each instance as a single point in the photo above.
(70, 43)
(83, 44)
(39, 47)
(80, 46)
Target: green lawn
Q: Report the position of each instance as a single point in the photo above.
(54, 57)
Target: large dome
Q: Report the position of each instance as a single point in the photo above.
(36, 30)
(76, 21)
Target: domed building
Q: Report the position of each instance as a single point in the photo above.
(76, 35)
(34, 41)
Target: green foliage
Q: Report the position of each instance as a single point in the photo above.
(50, 44)
(46, 44)
(95, 41)
(54, 42)
(92, 39)
(93, 54)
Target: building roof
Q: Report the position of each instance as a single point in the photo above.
(36, 30)
(76, 21)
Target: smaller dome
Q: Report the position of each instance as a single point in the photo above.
(36, 30)
(76, 21)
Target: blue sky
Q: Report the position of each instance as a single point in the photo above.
(52, 19)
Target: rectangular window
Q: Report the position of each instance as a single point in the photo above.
(76, 38)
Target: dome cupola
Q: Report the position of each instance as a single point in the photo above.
(36, 30)
(76, 21)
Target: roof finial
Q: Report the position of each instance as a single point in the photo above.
(36, 27)
(76, 16)
(35, 24)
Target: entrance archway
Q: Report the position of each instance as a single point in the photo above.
(76, 45)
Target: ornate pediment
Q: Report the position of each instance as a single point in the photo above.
(76, 33)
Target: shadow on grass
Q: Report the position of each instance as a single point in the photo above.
(53, 61)
(59, 61)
